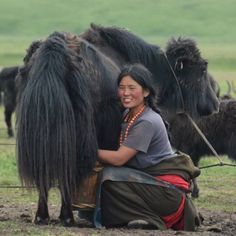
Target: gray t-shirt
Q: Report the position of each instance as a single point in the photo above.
(149, 137)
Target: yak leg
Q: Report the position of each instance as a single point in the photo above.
(66, 214)
(42, 215)
(1, 96)
(8, 114)
(195, 192)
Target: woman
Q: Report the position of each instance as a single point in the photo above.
(148, 185)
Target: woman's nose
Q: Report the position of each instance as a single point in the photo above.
(126, 92)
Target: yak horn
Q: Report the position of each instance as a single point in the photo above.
(233, 87)
(229, 87)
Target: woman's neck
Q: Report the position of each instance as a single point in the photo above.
(135, 110)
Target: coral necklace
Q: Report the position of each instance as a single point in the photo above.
(124, 135)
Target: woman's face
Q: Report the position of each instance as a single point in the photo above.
(131, 93)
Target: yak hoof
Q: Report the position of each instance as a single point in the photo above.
(40, 221)
(67, 222)
(10, 133)
(195, 194)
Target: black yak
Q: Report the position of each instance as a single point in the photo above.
(8, 87)
(219, 129)
(67, 103)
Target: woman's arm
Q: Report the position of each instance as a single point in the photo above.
(116, 158)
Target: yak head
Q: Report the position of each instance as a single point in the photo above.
(192, 88)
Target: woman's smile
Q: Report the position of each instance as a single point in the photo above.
(131, 93)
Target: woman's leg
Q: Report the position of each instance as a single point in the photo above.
(122, 202)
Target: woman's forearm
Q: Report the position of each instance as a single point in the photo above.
(109, 157)
(116, 158)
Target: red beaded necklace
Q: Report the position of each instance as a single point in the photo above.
(124, 135)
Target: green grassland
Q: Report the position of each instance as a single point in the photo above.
(210, 22)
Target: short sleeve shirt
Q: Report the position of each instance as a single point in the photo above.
(149, 137)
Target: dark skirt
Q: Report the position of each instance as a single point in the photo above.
(122, 202)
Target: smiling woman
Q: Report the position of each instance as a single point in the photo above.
(146, 192)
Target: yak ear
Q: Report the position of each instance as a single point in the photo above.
(179, 64)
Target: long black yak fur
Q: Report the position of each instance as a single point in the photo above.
(184, 57)
(66, 102)
(8, 87)
(219, 129)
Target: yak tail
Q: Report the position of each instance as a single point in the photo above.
(56, 140)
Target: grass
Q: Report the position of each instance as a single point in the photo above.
(13, 50)
(217, 186)
(30, 229)
(197, 18)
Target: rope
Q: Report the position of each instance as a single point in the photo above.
(221, 163)
(6, 144)
(20, 186)
(15, 186)
(176, 80)
(204, 138)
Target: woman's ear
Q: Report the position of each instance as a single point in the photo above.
(146, 93)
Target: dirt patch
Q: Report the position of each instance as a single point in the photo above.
(17, 219)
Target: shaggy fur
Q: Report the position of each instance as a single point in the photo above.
(184, 57)
(66, 100)
(219, 129)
